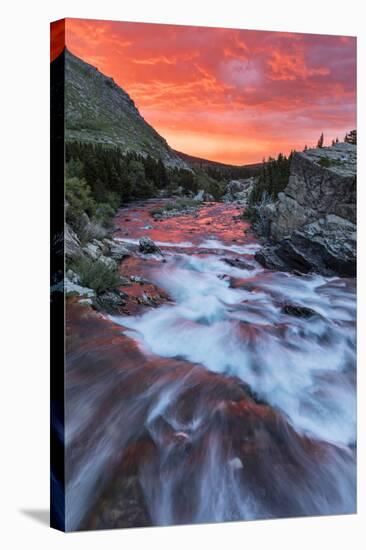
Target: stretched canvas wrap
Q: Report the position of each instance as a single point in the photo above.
(203, 274)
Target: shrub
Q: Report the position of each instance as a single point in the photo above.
(96, 274)
(324, 161)
(80, 200)
(327, 162)
(179, 204)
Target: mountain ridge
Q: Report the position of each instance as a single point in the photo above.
(98, 110)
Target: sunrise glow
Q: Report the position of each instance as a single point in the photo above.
(228, 95)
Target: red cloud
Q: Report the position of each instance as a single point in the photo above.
(226, 94)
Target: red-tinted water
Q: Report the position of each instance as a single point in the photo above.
(213, 405)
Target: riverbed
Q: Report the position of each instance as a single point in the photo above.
(232, 397)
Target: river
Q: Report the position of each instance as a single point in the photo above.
(222, 403)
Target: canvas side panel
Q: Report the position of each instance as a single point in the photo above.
(57, 276)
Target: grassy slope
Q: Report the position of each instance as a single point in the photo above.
(98, 110)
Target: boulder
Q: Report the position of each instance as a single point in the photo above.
(118, 251)
(75, 289)
(200, 195)
(92, 250)
(72, 276)
(147, 246)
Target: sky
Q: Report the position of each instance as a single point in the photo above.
(233, 96)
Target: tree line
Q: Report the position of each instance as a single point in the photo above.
(100, 179)
(273, 178)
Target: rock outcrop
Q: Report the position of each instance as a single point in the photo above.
(312, 225)
(239, 190)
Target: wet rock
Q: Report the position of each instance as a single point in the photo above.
(110, 301)
(138, 279)
(268, 257)
(147, 300)
(239, 263)
(124, 281)
(125, 507)
(326, 246)
(298, 311)
(147, 246)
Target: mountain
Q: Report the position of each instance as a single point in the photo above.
(97, 110)
(197, 162)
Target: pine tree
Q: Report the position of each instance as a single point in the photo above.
(351, 137)
(320, 141)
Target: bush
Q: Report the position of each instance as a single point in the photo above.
(324, 161)
(96, 274)
(78, 196)
(179, 204)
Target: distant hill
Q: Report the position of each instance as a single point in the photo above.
(97, 110)
(246, 170)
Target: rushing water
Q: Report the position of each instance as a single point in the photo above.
(247, 411)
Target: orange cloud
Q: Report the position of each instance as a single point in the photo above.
(57, 36)
(226, 94)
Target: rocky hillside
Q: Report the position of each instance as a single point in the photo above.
(97, 110)
(312, 225)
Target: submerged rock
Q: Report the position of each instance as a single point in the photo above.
(239, 263)
(298, 311)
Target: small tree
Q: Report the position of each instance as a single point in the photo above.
(351, 137)
(321, 141)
